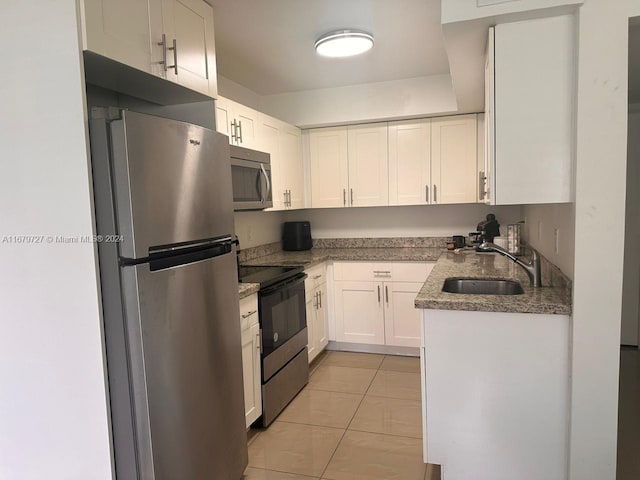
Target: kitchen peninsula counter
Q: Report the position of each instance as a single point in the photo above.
(471, 264)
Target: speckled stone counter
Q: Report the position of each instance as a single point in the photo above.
(318, 255)
(246, 289)
(544, 300)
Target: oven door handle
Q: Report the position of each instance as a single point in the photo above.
(287, 283)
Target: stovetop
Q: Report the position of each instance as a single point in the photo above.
(267, 275)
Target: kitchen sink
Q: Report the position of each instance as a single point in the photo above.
(482, 286)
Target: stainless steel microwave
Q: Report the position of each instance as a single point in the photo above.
(251, 179)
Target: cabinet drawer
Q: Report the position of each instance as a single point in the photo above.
(363, 271)
(248, 311)
(411, 271)
(316, 276)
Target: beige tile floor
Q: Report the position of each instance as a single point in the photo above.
(359, 418)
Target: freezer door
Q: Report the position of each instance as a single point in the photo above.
(172, 182)
(185, 366)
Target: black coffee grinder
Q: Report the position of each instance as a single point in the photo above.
(487, 230)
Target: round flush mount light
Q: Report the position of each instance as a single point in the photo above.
(344, 43)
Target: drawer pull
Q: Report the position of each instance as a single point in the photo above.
(248, 314)
(382, 272)
(315, 277)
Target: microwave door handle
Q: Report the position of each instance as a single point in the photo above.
(266, 179)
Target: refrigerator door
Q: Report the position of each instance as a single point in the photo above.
(163, 171)
(185, 366)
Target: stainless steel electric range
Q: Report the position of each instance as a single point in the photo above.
(283, 326)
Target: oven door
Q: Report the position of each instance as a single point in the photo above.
(251, 185)
(282, 313)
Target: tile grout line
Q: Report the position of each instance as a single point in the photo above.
(350, 421)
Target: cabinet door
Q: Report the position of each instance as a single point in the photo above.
(409, 162)
(534, 110)
(454, 159)
(312, 351)
(251, 373)
(321, 333)
(223, 117)
(401, 318)
(329, 168)
(368, 165)
(489, 123)
(359, 312)
(190, 23)
(122, 30)
(248, 120)
(291, 152)
(269, 141)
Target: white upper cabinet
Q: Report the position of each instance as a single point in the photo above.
(290, 143)
(172, 39)
(283, 142)
(409, 162)
(238, 122)
(454, 159)
(190, 54)
(368, 165)
(532, 121)
(122, 30)
(329, 168)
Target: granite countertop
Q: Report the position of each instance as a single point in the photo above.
(314, 256)
(543, 300)
(246, 289)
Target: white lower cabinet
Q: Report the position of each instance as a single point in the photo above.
(251, 358)
(374, 302)
(317, 318)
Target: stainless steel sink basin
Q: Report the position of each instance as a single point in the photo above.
(482, 286)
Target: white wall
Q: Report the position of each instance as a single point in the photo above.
(258, 228)
(238, 93)
(631, 279)
(461, 10)
(551, 230)
(600, 203)
(409, 221)
(53, 407)
(411, 97)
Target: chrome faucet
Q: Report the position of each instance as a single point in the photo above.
(532, 269)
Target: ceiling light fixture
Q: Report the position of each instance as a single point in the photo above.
(344, 43)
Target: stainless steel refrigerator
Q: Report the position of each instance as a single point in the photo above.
(170, 297)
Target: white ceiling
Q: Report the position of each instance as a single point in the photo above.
(267, 45)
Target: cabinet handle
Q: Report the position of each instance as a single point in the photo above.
(240, 129)
(320, 298)
(344, 197)
(164, 54)
(315, 277)
(285, 197)
(163, 43)
(289, 198)
(435, 194)
(386, 294)
(481, 184)
(259, 335)
(351, 197)
(426, 193)
(315, 301)
(248, 314)
(378, 293)
(233, 126)
(382, 272)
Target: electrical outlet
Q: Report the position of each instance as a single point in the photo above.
(556, 241)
